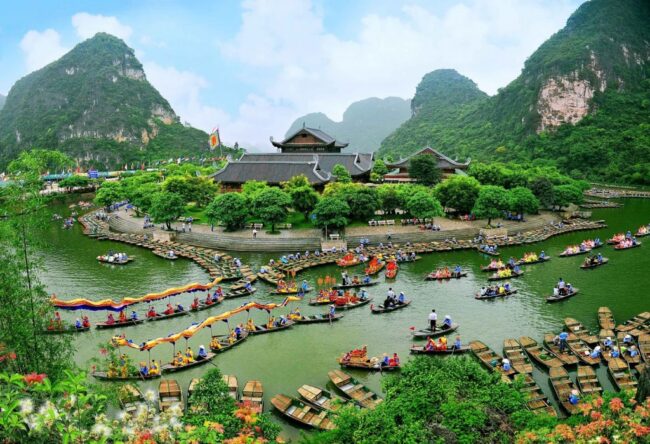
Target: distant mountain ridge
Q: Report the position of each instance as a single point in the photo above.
(364, 125)
(95, 104)
(582, 102)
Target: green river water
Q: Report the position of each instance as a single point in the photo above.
(303, 354)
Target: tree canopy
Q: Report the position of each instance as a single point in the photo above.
(331, 212)
(492, 201)
(522, 200)
(166, 207)
(341, 173)
(270, 206)
(458, 192)
(231, 209)
(424, 206)
(424, 169)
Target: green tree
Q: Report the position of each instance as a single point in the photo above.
(424, 169)
(25, 307)
(331, 212)
(563, 195)
(298, 181)
(458, 192)
(109, 193)
(202, 190)
(270, 206)
(424, 206)
(363, 203)
(231, 209)
(389, 198)
(542, 188)
(492, 201)
(250, 189)
(341, 173)
(522, 200)
(166, 207)
(178, 185)
(379, 169)
(303, 199)
(74, 181)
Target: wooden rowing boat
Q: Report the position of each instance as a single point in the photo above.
(606, 318)
(495, 295)
(253, 395)
(352, 389)
(288, 291)
(357, 285)
(567, 357)
(226, 344)
(203, 306)
(619, 247)
(165, 255)
(381, 309)
(129, 396)
(489, 358)
(374, 266)
(432, 276)
(321, 399)
(539, 260)
(67, 329)
(538, 353)
(391, 270)
(581, 350)
(637, 325)
(621, 374)
(492, 268)
(428, 333)
(118, 324)
(563, 386)
(577, 253)
(318, 318)
(580, 331)
(596, 264)
(602, 337)
(515, 353)
(169, 394)
(349, 305)
(513, 274)
(489, 253)
(103, 376)
(574, 291)
(370, 364)
(302, 413)
(450, 350)
(233, 386)
(171, 368)
(262, 329)
(230, 294)
(588, 380)
(631, 360)
(536, 400)
(104, 260)
(162, 316)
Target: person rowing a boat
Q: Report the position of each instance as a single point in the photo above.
(134, 316)
(446, 324)
(388, 302)
(433, 318)
(402, 298)
(457, 343)
(144, 370)
(561, 286)
(457, 271)
(85, 322)
(202, 353)
(77, 324)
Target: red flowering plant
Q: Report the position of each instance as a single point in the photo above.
(614, 418)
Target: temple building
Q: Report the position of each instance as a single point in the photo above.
(399, 171)
(307, 151)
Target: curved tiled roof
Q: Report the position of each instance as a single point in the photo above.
(272, 172)
(443, 161)
(356, 163)
(317, 133)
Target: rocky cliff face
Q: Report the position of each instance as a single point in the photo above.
(96, 98)
(563, 100)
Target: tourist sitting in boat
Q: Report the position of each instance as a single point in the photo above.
(179, 361)
(394, 361)
(359, 352)
(122, 317)
(144, 370)
(209, 299)
(154, 369)
(504, 272)
(385, 361)
(250, 325)
(355, 280)
(195, 304)
(77, 323)
(457, 343)
(202, 353)
(151, 313)
(169, 310)
(495, 264)
(238, 331)
(614, 352)
(574, 397)
(596, 352)
(110, 320)
(282, 321)
(627, 339)
(607, 343)
(506, 287)
(505, 364)
(295, 314)
(171, 253)
(633, 351)
(366, 279)
(458, 270)
(511, 262)
(442, 343)
(483, 291)
(561, 286)
(363, 294)
(134, 316)
(85, 322)
(446, 324)
(402, 298)
(189, 355)
(271, 323)
(215, 344)
(430, 345)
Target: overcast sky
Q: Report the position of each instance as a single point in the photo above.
(252, 67)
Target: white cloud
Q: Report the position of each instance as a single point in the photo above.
(295, 62)
(87, 25)
(41, 48)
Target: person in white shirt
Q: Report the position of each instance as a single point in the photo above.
(433, 318)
